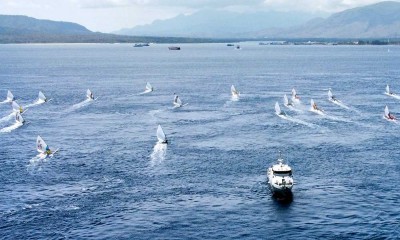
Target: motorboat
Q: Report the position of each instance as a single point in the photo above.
(174, 48)
(280, 179)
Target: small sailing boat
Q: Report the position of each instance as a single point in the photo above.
(17, 108)
(286, 101)
(278, 110)
(331, 97)
(43, 149)
(89, 95)
(149, 88)
(295, 97)
(19, 118)
(315, 108)
(161, 135)
(391, 94)
(177, 102)
(235, 93)
(42, 98)
(389, 116)
(10, 96)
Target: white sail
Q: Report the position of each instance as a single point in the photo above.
(294, 93)
(16, 107)
(277, 109)
(149, 87)
(312, 104)
(286, 100)
(41, 146)
(234, 91)
(161, 135)
(386, 112)
(330, 95)
(42, 97)
(19, 118)
(177, 101)
(89, 94)
(387, 89)
(10, 96)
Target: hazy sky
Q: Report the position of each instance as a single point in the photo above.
(112, 15)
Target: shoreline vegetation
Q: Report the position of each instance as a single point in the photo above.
(113, 38)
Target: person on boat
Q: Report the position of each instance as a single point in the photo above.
(391, 116)
(48, 151)
(91, 96)
(315, 106)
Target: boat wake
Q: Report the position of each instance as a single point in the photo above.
(80, 105)
(145, 92)
(38, 102)
(296, 120)
(339, 103)
(11, 128)
(7, 118)
(158, 154)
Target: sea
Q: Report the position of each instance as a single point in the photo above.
(111, 180)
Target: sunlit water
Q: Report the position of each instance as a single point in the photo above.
(111, 180)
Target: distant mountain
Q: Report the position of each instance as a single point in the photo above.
(23, 29)
(219, 24)
(10, 24)
(380, 20)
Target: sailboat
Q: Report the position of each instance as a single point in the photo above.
(278, 110)
(295, 97)
(178, 102)
(149, 88)
(286, 101)
(10, 96)
(235, 93)
(89, 95)
(42, 98)
(43, 149)
(391, 94)
(331, 97)
(19, 118)
(389, 116)
(161, 135)
(17, 108)
(314, 108)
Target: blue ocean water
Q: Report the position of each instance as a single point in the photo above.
(111, 181)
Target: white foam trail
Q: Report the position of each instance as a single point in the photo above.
(146, 91)
(79, 105)
(11, 128)
(7, 118)
(158, 154)
(294, 108)
(38, 102)
(295, 120)
(340, 104)
(234, 98)
(5, 101)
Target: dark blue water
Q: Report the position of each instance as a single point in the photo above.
(110, 181)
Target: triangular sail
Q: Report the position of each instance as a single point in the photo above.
(234, 91)
(161, 135)
(330, 95)
(387, 112)
(149, 87)
(41, 96)
(387, 89)
(10, 96)
(89, 94)
(285, 100)
(294, 93)
(313, 105)
(41, 146)
(177, 100)
(277, 108)
(16, 107)
(19, 118)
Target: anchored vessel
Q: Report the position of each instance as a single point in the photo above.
(280, 179)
